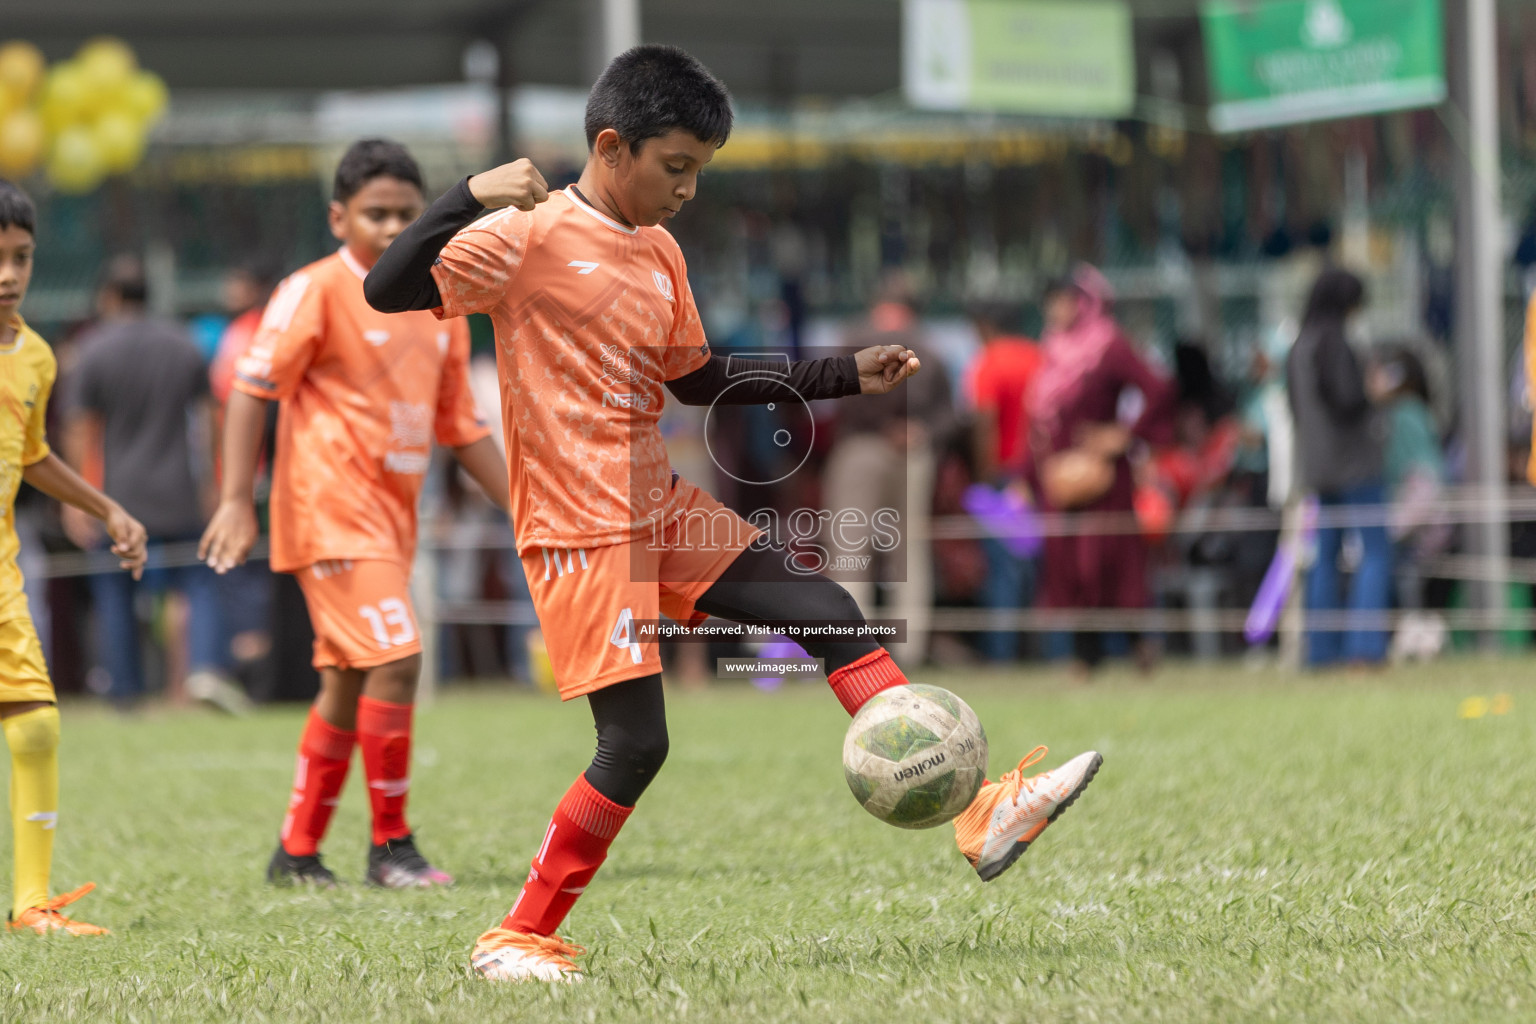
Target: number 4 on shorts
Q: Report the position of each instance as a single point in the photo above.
(623, 635)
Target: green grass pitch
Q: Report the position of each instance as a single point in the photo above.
(1256, 848)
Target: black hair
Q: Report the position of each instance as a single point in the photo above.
(373, 158)
(1198, 384)
(1001, 315)
(124, 277)
(1409, 376)
(1335, 294)
(16, 209)
(649, 90)
(263, 270)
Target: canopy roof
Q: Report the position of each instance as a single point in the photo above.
(765, 50)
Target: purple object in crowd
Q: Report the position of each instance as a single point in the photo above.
(778, 647)
(1006, 517)
(1269, 603)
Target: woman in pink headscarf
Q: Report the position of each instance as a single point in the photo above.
(1079, 437)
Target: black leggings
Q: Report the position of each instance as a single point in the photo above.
(631, 720)
(758, 587)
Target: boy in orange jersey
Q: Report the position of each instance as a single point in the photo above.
(593, 316)
(29, 716)
(363, 396)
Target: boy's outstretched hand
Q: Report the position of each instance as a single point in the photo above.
(128, 540)
(882, 367)
(518, 184)
(230, 535)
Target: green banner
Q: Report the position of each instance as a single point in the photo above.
(1277, 62)
(1051, 57)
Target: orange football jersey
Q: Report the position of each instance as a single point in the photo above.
(363, 393)
(591, 318)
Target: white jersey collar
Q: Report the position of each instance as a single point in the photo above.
(592, 211)
(351, 262)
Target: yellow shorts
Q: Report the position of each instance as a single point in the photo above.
(23, 671)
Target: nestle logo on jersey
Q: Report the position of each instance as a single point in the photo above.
(617, 368)
(410, 426)
(415, 463)
(641, 402)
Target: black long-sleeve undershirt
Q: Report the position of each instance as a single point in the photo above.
(402, 280)
(732, 380)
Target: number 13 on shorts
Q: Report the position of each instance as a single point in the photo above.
(361, 612)
(390, 621)
(623, 635)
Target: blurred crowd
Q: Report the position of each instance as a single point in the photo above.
(1060, 483)
(1045, 473)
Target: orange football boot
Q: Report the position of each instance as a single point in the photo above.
(504, 955)
(1009, 814)
(46, 919)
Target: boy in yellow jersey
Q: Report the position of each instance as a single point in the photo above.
(28, 714)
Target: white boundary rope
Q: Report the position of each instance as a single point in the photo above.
(1461, 505)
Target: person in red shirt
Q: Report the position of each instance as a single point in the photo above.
(364, 396)
(594, 322)
(997, 382)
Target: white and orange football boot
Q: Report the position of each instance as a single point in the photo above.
(46, 919)
(504, 955)
(1009, 814)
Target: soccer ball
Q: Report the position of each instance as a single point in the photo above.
(915, 756)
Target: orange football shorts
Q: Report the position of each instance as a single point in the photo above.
(361, 611)
(588, 599)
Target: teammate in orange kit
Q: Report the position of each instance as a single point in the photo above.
(364, 395)
(593, 317)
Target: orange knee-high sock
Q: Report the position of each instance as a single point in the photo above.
(860, 680)
(324, 754)
(384, 733)
(575, 846)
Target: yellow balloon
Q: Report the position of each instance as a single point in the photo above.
(75, 164)
(108, 64)
(21, 68)
(145, 96)
(22, 138)
(120, 140)
(66, 97)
